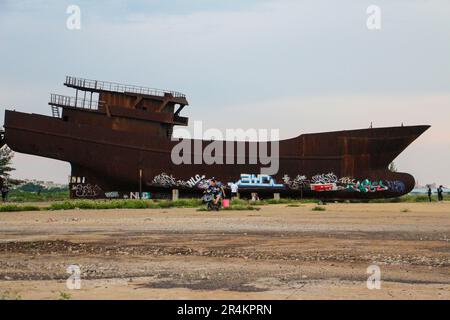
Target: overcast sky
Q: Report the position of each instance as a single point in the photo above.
(300, 66)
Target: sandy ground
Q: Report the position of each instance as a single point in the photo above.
(279, 252)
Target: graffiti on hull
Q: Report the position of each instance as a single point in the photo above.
(324, 187)
(86, 190)
(257, 181)
(323, 182)
(367, 186)
(112, 195)
(168, 181)
(330, 182)
(299, 182)
(396, 186)
(327, 178)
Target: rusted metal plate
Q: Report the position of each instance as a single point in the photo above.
(108, 147)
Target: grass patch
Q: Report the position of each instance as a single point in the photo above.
(236, 204)
(8, 295)
(16, 208)
(236, 208)
(241, 202)
(278, 201)
(410, 198)
(125, 204)
(241, 208)
(317, 208)
(45, 196)
(419, 198)
(186, 203)
(64, 296)
(405, 210)
(285, 201)
(98, 204)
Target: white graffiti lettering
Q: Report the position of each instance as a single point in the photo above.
(167, 181)
(299, 182)
(324, 178)
(86, 190)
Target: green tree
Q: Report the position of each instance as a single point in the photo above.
(6, 156)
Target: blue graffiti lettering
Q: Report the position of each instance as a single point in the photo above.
(396, 186)
(258, 181)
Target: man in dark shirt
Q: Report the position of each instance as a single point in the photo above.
(217, 190)
(440, 191)
(5, 191)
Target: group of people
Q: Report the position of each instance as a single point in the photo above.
(440, 193)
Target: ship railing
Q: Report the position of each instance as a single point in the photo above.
(117, 87)
(74, 102)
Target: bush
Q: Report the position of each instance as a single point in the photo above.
(421, 199)
(8, 295)
(125, 204)
(275, 201)
(16, 208)
(66, 205)
(410, 198)
(317, 208)
(241, 208)
(64, 296)
(239, 202)
(187, 203)
(18, 195)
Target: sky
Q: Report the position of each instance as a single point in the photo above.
(299, 66)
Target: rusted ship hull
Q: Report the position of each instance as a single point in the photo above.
(108, 163)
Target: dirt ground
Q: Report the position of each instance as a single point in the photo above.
(279, 252)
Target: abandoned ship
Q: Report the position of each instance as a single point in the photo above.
(118, 141)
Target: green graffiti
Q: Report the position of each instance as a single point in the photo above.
(366, 186)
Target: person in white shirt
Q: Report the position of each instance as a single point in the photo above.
(234, 190)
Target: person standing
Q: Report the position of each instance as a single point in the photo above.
(5, 191)
(440, 191)
(429, 193)
(234, 190)
(255, 196)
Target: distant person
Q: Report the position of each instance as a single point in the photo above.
(234, 190)
(5, 191)
(429, 193)
(440, 192)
